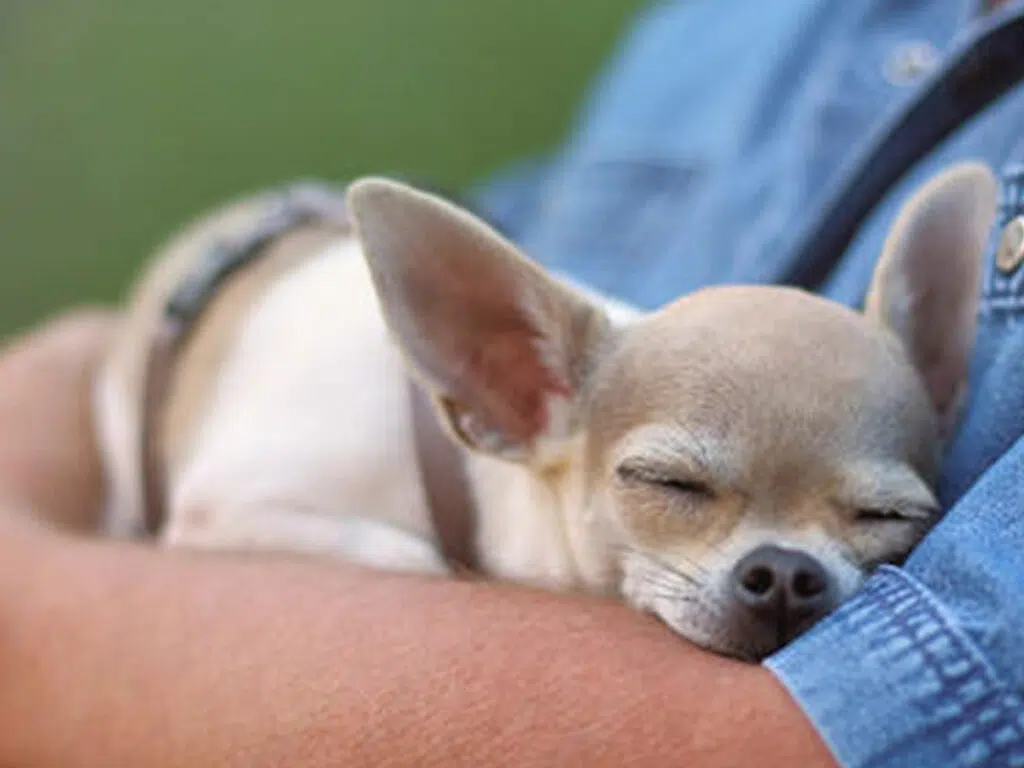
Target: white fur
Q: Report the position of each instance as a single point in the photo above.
(307, 445)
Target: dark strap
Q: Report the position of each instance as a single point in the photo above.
(987, 65)
(445, 482)
(155, 386)
(441, 465)
(297, 205)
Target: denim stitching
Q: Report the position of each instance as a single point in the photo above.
(963, 676)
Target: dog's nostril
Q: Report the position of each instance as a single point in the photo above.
(758, 580)
(780, 583)
(807, 584)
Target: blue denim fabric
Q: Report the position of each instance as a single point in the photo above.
(698, 159)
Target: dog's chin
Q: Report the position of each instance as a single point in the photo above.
(702, 614)
(731, 636)
(721, 642)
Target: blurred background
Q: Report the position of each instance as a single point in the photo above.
(121, 119)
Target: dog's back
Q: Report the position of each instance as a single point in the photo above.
(287, 398)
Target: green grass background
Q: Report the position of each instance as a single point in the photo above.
(119, 119)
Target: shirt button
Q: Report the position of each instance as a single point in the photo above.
(910, 62)
(1011, 246)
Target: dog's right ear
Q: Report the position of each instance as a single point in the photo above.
(503, 347)
(926, 285)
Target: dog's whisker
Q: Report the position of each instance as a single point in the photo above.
(675, 597)
(668, 584)
(678, 592)
(675, 581)
(671, 580)
(688, 577)
(696, 565)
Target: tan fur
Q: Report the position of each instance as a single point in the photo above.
(950, 215)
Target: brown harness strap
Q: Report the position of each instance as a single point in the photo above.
(445, 483)
(159, 364)
(441, 465)
(299, 205)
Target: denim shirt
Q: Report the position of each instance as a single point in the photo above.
(699, 157)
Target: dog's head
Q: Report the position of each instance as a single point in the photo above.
(741, 458)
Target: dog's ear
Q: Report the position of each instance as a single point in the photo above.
(504, 347)
(926, 285)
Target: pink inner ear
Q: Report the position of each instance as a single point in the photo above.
(511, 385)
(944, 378)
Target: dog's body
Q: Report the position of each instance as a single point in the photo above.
(606, 450)
(289, 428)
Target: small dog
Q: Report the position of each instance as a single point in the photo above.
(735, 463)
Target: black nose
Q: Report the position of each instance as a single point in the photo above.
(783, 588)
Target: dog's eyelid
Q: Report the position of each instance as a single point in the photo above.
(890, 512)
(674, 451)
(892, 488)
(680, 478)
(916, 510)
(891, 509)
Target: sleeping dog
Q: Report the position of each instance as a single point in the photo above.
(351, 379)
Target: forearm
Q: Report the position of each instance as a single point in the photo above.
(116, 655)
(48, 460)
(258, 663)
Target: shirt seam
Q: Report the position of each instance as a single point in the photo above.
(966, 649)
(977, 718)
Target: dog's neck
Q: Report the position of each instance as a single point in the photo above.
(546, 513)
(533, 527)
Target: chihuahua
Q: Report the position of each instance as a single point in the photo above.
(735, 463)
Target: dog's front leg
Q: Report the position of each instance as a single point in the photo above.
(282, 529)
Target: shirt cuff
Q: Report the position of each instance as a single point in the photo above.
(891, 680)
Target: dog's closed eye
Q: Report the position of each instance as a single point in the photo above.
(633, 474)
(882, 515)
(885, 494)
(893, 514)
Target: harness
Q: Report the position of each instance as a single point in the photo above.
(440, 464)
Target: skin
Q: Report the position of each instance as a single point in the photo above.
(116, 654)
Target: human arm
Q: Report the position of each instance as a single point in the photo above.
(114, 654)
(48, 460)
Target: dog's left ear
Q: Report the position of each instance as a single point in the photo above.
(504, 347)
(926, 285)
